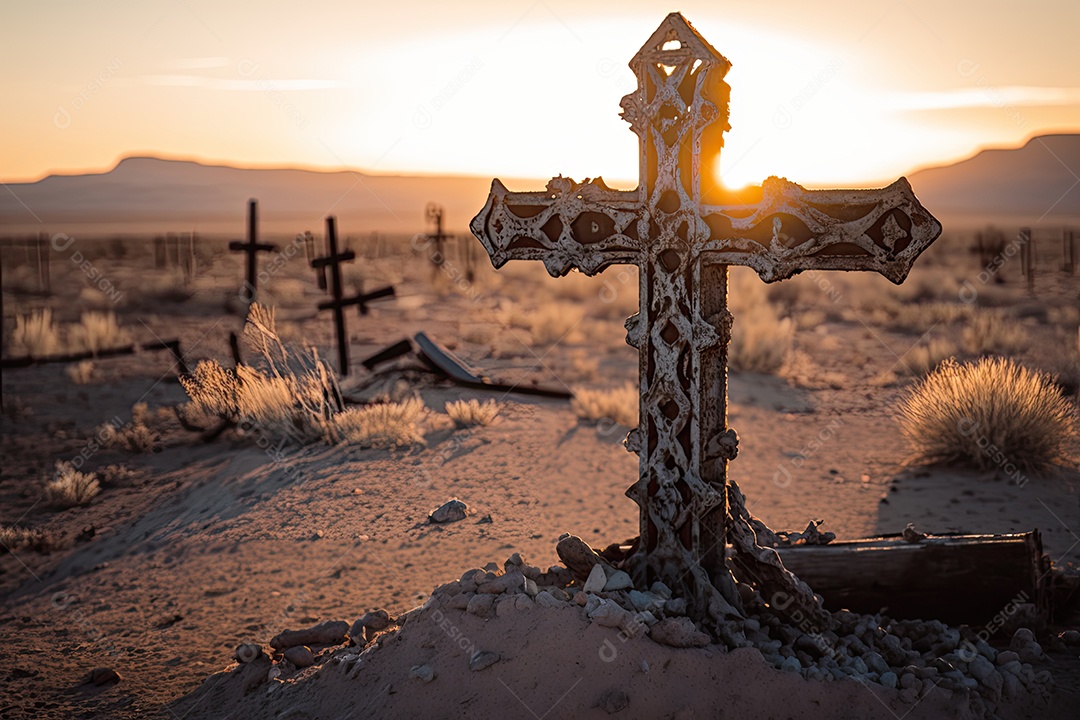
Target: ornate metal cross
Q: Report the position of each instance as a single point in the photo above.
(682, 230)
(252, 247)
(339, 302)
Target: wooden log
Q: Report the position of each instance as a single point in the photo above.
(953, 578)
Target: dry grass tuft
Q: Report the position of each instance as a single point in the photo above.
(760, 339)
(990, 413)
(469, 413)
(284, 395)
(69, 487)
(992, 331)
(14, 537)
(81, 373)
(924, 358)
(97, 331)
(36, 334)
(922, 317)
(553, 322)
(619, 404)
(384, 425)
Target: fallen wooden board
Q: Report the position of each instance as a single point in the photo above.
(447, 364)
(953, 578)
(172, 346)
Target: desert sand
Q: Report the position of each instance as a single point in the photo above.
(202, 546)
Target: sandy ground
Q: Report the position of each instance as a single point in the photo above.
(208, 545)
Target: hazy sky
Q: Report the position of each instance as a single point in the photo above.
(842, 92)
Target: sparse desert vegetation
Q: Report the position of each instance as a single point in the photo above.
(614, 404)
(469, 413)
(36, 334)
(68, 487)
(381, 425)
(987, 414)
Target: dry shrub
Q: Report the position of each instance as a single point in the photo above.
(618, 404)
(81, 373)
(553, 322)
(14, 537)
(760, 339)
(468, 413)
(69, 487)
(925, 357)
(384, 425)
(993, 332)
(36, 334)
(990, 413)
(136, 436)
(921, 317)
(284, 395)
(97, 331)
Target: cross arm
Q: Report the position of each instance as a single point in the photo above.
(584, 225)
(347, 256)
(794, 229)
(244, 246)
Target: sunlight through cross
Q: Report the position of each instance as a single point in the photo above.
(682, 230)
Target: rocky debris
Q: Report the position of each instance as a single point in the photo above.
(247, 652)
(450, 511)
(422, 672)
(613, 701)
(1023, 643)
(597, 579)
(483, 659)
(679, 632)
(331, 632)
(578, 557)
(102, 676)
(368, 625)
(912, 535)
(300, 656)
(1070, 637)
(910, 658)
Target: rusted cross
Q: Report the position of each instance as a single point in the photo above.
(339, 302)
(434, 214)
(682, 230)
(252, 247)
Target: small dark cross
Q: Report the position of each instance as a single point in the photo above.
(339, 302)
(434, 215)
(252, 247)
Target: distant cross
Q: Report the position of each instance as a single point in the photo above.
(252, 247)
(682, 230)
(338, 304)
(434, 215)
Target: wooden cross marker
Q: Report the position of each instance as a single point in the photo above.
(252, 247)
(434, 215)
(682, 230)
(339, 302)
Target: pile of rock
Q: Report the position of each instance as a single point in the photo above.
(911, 657)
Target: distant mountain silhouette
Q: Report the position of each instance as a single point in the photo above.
(143, 194)
(1021, 185)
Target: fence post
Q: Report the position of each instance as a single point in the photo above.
(1027, 257)
(43, 262)
(1068, 251)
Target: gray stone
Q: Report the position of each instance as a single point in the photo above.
(875, 662)
(1021, 637)
(888, 679)
(483, 659)
(247, 652)
(1012, 688)
(1032, 652)
(300, 656)
(1070, 637)
(458, 602)
(480, 605)
(618, 580)
(679, 632)
(331, 632)
(546, 599)
(980, 668)
(597, 579)
(675, 606)
(614, 701)
(659, 588)
(1007, 656)
(790, 665)
(610, 614)
(907, 680)
(523, 602)
(422, 672)
(450, 511)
